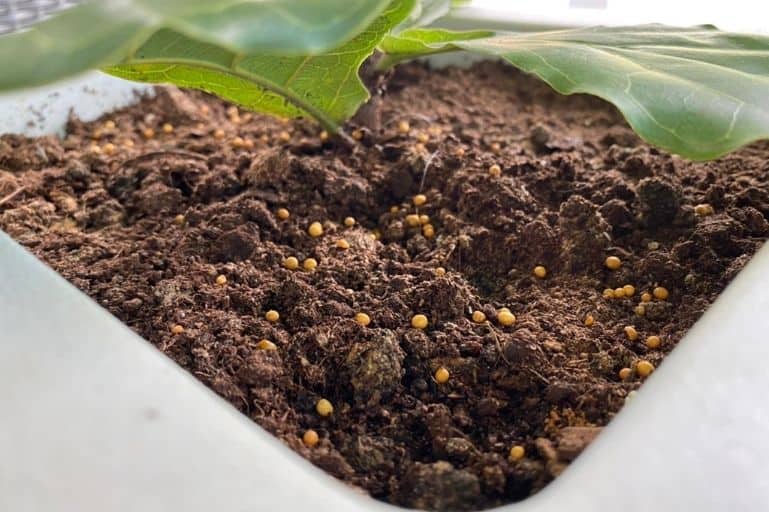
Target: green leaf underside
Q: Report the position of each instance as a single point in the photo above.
(325, 86)
(50, 52)
(99, 33)
(697, 92)
(423, 41)
(294, 27)
(427, 11)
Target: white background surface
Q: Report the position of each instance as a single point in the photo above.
(736, 15)
(45, 109)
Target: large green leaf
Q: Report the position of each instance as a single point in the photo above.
(77, 40)
(427, 11)
(423, 41)
(102, 32)
(270, 26)
(698, 92)
(326, 86)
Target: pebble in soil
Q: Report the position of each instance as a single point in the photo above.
(508, 176)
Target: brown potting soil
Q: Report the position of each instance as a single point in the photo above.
(146, 224)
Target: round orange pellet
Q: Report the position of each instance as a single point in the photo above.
(613, 263)
(310, 438)
(324, 407)
(505, 318)
(266, 345)
(419, 322)
(315, 229)
(517, 452)
(644, 368)
(442, 375)
(478, 317)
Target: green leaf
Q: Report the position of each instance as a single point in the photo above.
(273, 26)
(427, 11)
(103, 32)
(423, 41)
(79, 39)
(325, 86)
(697, 91)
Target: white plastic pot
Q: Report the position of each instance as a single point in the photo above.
(94, 419)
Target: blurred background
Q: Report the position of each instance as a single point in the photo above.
(735, 15)
(15, 14)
